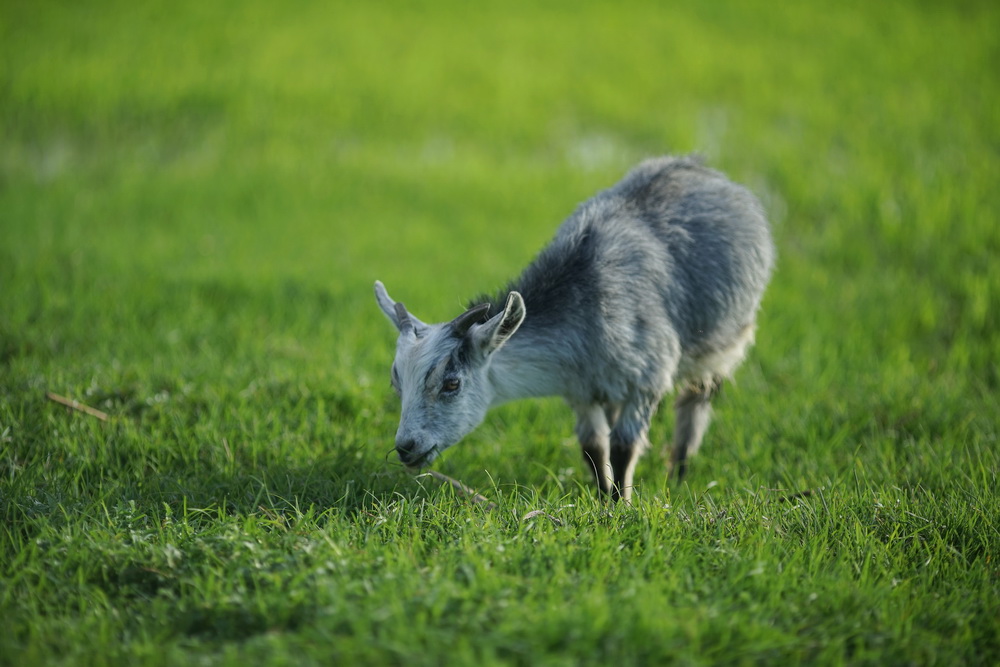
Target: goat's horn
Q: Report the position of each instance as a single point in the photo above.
(474, 315)
(403, 319)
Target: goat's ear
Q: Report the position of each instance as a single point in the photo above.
(492, 334)
(396, 313)
(386, 303)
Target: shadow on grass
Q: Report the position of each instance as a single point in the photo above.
(344, 489)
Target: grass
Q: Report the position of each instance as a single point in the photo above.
(195, 200)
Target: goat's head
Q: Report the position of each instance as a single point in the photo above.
(441, 373)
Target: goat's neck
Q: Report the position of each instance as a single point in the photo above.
(525, 367)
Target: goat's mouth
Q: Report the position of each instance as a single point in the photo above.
(416, 461)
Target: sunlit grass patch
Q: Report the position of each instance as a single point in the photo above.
(196, 200)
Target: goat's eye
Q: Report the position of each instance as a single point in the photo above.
(450, 386)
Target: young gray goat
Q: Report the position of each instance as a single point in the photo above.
(650, 285)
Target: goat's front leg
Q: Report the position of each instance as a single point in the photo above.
(593, 431)
(628, 441)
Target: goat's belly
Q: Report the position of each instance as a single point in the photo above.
(719, 362)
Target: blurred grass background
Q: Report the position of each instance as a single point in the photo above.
(195, 199)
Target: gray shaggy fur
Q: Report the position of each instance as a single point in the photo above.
(651, 285)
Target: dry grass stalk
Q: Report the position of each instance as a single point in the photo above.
(77, 405)
(463, 489)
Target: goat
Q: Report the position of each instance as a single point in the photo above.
(651, 284)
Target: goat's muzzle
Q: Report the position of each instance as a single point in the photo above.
(408, 453)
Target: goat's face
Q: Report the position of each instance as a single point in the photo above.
(443, 389)
(441, 374)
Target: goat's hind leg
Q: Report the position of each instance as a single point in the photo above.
(593, 432)
(693, 409)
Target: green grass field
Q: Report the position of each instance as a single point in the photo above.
(195, 199)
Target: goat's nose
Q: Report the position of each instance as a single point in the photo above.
(404, 448)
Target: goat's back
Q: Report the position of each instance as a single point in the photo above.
(652, 283)
(664, 268)
(715, 238)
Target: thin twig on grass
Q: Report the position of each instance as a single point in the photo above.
(463, 489)
(77, 405)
